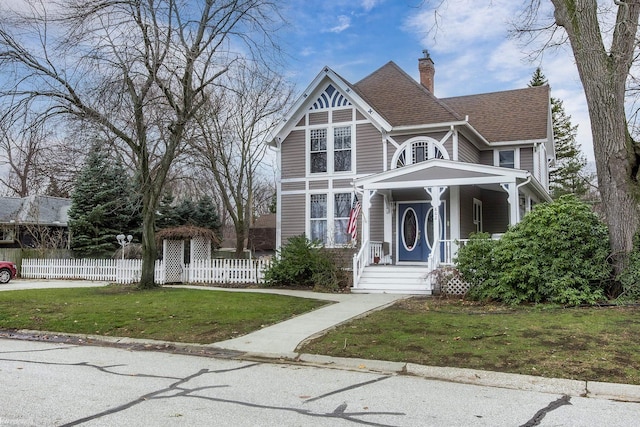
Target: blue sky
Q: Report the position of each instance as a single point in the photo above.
(471, 48)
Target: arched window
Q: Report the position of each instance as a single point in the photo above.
(418, 149)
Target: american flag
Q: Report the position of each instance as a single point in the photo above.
(352, 225)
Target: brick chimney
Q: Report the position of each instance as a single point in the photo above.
(427, 71)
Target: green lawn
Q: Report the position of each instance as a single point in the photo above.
(599, 344)
(180, 315)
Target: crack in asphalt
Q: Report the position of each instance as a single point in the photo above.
(178, 389)
(537, 418)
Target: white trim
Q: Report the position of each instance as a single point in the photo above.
(516, 156)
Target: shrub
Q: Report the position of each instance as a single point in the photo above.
(303, 263)
(557, 253)
(630, 278)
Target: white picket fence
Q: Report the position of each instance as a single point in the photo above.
(212, 271)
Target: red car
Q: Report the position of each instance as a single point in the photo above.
(7, 271)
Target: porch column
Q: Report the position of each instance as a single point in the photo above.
(512, 191)
(366, 207)
(436, 193)
(388, 220)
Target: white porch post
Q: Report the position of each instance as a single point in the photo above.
(512, 191)
(366, 207)
(388, 220)
(436, 194)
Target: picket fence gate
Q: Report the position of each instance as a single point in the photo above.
(211, 271)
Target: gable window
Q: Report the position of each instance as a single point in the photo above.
(318, 150)
(329, 217)
(342, 149)
(418, 149)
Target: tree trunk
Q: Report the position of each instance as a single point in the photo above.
(604, 74)
(149, 247)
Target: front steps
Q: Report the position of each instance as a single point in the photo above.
(394, 279)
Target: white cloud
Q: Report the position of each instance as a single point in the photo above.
(367, 5)
(344, 22)
(462, 22)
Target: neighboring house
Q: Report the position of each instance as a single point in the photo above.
(427, 171)
(34, 222)
(262, 235)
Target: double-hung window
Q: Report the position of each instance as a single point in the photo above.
(342, 149)
(330, 150)
(329, 217)
(318, 150)
(341, 210)
(318, 217)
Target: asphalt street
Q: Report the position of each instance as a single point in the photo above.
(53, 384)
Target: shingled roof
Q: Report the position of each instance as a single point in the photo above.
(401, 100)
(43, 210)
(513, 115)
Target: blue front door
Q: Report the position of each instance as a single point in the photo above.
(415, 231)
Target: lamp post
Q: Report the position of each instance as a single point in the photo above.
(124, 241)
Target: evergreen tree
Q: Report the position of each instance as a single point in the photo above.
(101, 206)
(566, 177)
(202, 213)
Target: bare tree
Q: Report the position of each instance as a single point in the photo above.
(22, 153)
(232, 139)
(139, 69)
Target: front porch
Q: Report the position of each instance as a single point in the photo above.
(415, 218)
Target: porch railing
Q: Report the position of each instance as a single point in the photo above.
(360, 262)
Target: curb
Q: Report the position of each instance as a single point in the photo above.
(577, 388)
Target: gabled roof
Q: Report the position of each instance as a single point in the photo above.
(323, 79)
(401, 100)
(512, 115)
(43, 210)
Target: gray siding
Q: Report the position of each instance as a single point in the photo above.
(369, 149)
(343, 183)
(293, 186)
(526, 159)
(342, 115)
(495, 211)
(467, 152)
(302, 121)
(293, 215)
(320, 118)
(486, 157)
(467, 194)
(360, 116)
(318, 185)
(377, 219)
(293, 155)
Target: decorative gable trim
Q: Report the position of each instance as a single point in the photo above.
(343, 92)
(330, 98)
